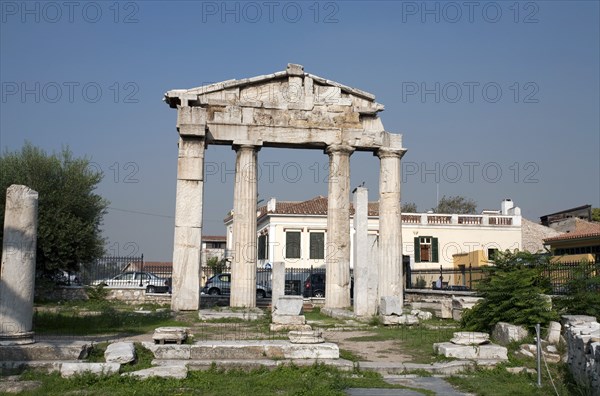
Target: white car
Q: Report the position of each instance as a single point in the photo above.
(137, 280)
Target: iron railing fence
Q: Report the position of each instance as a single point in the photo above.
(466, 278)
(310, 282)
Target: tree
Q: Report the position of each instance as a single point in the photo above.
(512, 292)
(69, 212)
(409, 207)
(596, 214)
(456, 205)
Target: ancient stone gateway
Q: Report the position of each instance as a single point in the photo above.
(291, 109)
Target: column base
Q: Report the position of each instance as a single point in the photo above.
(17, 339)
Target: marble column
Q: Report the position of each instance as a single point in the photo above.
(243, 267)
(187, 249)
(277, 283)
(390, 225)
(17, 274)
(365, 270)
(337, 258)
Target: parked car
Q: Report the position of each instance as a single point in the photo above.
(314, 285)
(220, 284)
(137, 280)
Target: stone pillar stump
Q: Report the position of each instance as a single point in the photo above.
(17, 274)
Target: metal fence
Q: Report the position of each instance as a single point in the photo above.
(466, 278)
(560, 274)
(108, 267)
(310, 282)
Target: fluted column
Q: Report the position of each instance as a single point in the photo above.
(243, 267)
(390, 225)
(337, 286)
(187, 247)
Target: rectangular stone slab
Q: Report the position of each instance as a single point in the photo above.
(223, 350)
(70, 350)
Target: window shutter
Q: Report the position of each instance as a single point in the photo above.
(292, 246)
(317, 246)
(417, 250)
(434, 248)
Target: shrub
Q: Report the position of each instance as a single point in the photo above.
(512, 292)
(582, 292)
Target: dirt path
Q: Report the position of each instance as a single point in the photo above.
(371, 351)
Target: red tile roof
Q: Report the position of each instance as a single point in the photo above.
(583, 230)
(314, 206)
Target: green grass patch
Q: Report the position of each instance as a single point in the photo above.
(416, 341)
(106, 321)
(349, 355)
(498, 381)
(285, 380)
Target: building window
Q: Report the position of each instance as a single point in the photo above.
(492, 254)
(292, 244)
(426, 249)
(317, 245)
(263, 242)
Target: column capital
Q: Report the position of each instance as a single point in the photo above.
(339, 148)
(245, 146)
(385, 152)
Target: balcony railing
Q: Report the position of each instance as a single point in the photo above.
(474, 220)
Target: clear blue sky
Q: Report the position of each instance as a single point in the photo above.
(495, 100)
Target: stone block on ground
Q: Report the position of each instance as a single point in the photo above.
(120, 352)
(554, 329)
(575, 320)
(289, 327)
(446, 309)
(505, 333)
(170, 334)
(390, 305)
(288, 319)
(170, 351)
(423, 315)
(289, 305)
(59, 350)
(459, 304)
(177, 372)
(70, 369)
(306, 337)
(258, 350)
(399, 319)
(470, 338)
(475, 352)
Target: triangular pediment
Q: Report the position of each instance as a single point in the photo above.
(292, 85)
(290, 108)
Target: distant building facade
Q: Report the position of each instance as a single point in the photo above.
(296, 233)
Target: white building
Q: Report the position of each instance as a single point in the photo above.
(296, 233)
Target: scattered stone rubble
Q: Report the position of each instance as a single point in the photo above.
(120, 352)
